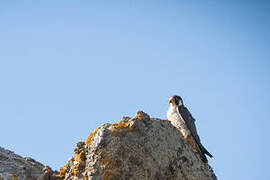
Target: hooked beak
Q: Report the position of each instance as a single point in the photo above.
(172, 100)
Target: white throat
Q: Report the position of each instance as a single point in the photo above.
(173, 109)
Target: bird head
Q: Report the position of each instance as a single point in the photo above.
(176, 100)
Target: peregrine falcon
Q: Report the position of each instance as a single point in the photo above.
(181, 118)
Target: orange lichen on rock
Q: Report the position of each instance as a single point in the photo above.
(80, 157)
(141, 115)
(109, 175)
(100, 153)
(107, 162)
(122, 125)
(75, 170)
(164, 120)
(89, 139)
(63, 171)
(86, 178)
(15, 176)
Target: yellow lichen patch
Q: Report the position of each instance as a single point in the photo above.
(86, 178)
(109, 175)
(164, 120)
(75, 170)
(63, 171)
(15, 176)
(80, 157)
(139, 117)
(89, 139)
(89, 168)
(107, 162)
(100, 153)
(122, 125)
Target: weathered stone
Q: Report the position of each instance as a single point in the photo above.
(136, 148)
(15, 167)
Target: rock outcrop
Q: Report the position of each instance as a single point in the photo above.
(15, 167)
(136, 148)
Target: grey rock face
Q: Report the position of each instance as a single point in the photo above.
(136, 148)
(15, 167)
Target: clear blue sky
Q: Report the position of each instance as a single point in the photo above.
(67, 67)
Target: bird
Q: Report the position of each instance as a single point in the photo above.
(181, 118)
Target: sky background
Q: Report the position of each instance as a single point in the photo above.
(67, 67)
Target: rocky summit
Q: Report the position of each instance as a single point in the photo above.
(134, 148)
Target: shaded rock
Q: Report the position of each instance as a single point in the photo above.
(136, 148)
(49, 174)
(15, 167)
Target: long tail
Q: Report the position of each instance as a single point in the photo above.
(203, 151)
